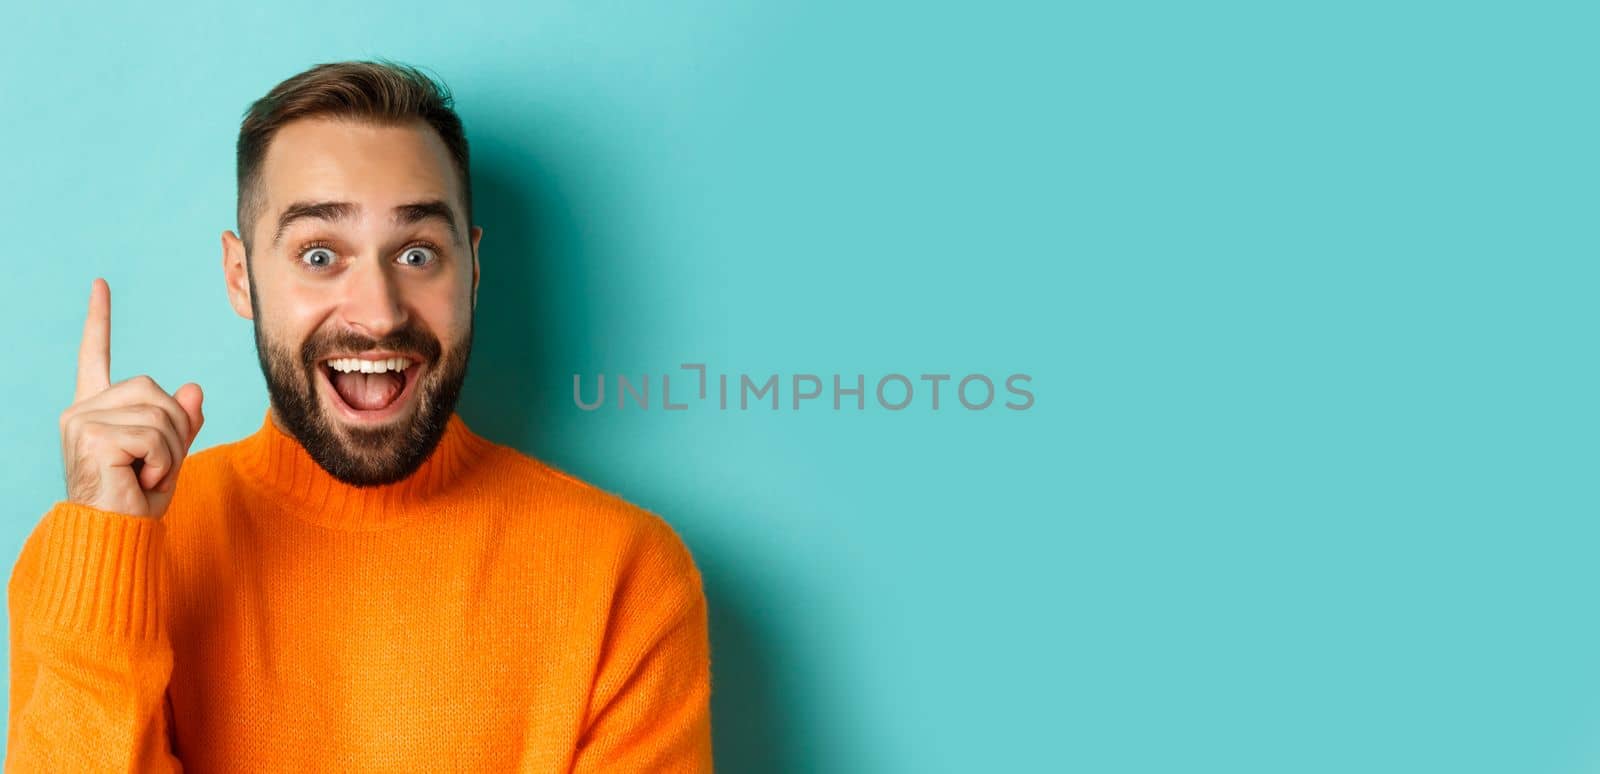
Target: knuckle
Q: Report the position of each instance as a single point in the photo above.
(151, 415)
(144, 386)
(89, 432)
(154, 448)
(91, 439)
(142, 381)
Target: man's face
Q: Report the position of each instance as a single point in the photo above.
(361, 280)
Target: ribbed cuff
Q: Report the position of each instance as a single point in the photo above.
(100, 573)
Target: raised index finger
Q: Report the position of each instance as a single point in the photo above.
(94, 354)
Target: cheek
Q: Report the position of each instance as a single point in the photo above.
(285, 294)
(445, 311)
(290, 314)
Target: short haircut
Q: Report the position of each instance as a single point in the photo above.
(381, 92)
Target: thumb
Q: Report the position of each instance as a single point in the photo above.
(189, 397)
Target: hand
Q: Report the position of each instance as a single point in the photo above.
(122, 444)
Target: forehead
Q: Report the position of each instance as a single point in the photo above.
(372, 165)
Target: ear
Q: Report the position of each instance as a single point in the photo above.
(236, 274)
(477, 234)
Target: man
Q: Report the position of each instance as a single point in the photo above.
(363, 584)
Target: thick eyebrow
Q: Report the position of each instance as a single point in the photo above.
(319, 210)
(405, 214)
(416, 212)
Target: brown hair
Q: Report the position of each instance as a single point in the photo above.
(379, 91)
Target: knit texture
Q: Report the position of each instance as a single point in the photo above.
(488, 613)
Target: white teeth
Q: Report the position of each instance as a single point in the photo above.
(356, 364)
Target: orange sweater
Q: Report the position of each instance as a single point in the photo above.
(489, 613)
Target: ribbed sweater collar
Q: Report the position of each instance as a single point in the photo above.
(282, 465)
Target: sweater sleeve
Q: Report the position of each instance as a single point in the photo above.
(90, 658)
(650, 708)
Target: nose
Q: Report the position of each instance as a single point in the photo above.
(372, 303)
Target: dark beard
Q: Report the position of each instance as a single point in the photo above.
(364, 456)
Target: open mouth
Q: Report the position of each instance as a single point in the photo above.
(370, 386)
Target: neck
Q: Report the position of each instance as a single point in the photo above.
(278, 461)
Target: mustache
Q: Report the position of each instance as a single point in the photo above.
(412, 338)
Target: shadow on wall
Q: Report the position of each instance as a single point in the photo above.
(532, 314)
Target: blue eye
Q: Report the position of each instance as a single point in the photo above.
(318, 257)
(417, 256)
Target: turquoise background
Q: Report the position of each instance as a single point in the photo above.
(1307, 292)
